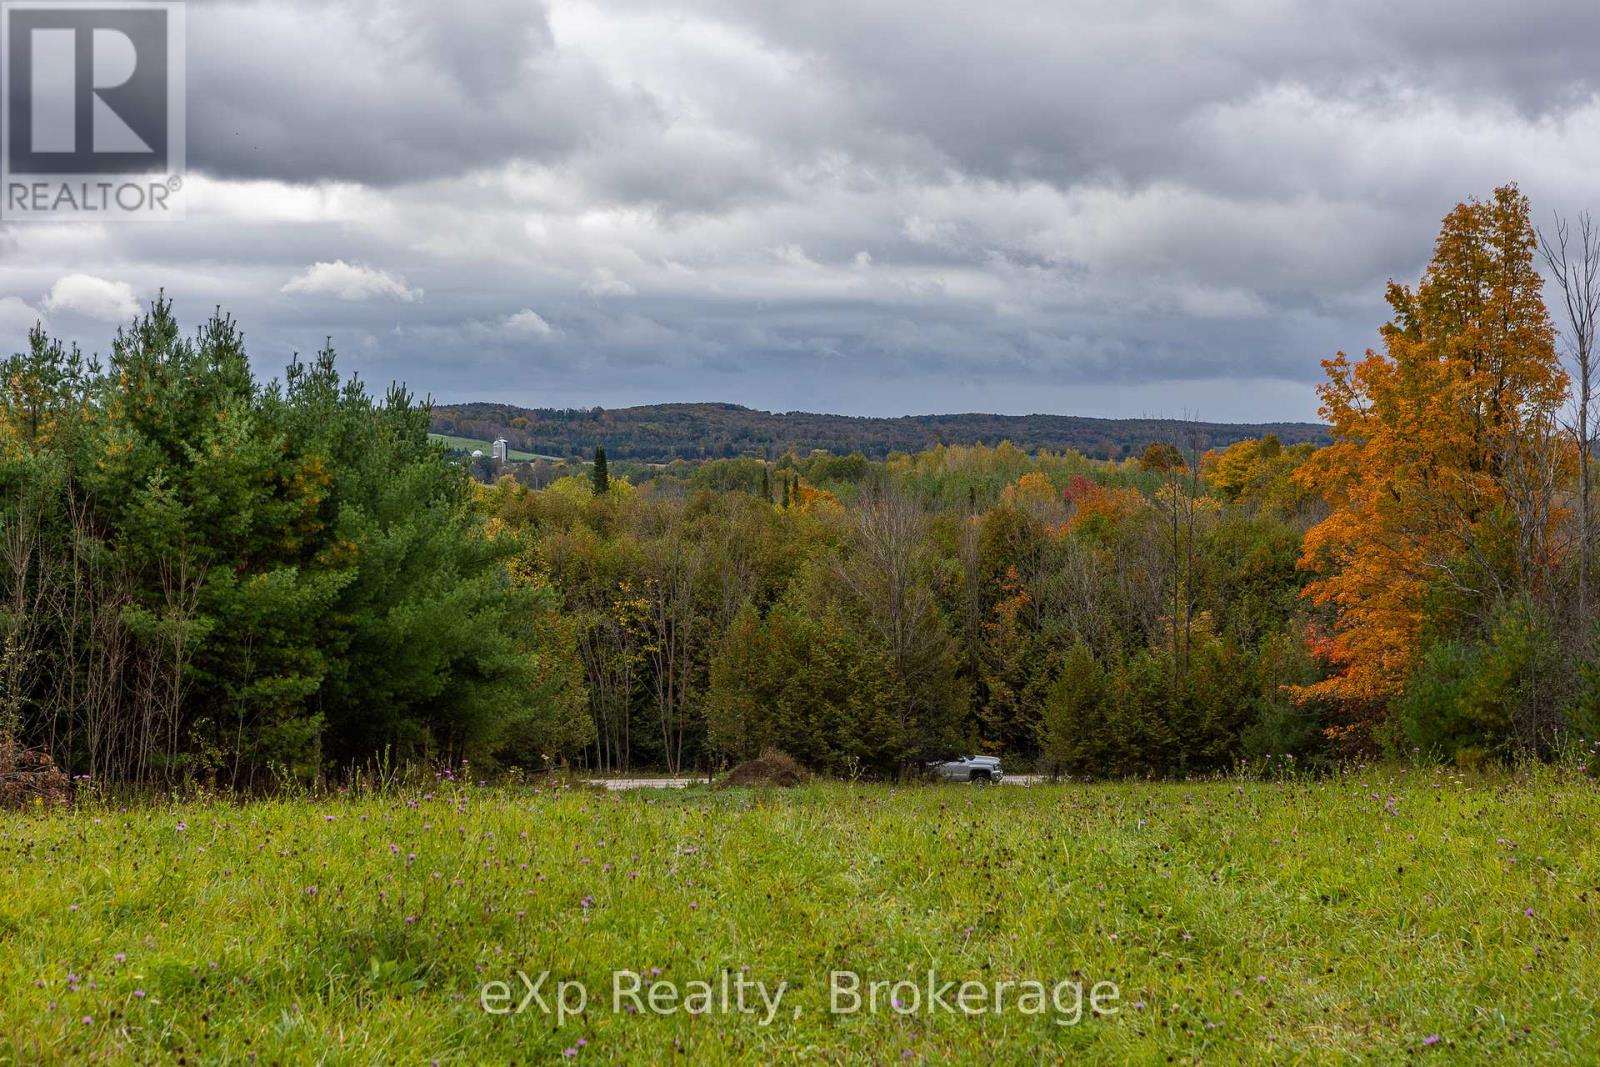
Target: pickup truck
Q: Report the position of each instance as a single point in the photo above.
(979, 769)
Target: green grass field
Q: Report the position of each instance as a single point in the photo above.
(487, 447)
(1377, 915)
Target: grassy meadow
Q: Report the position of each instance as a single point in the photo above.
(1380, 915)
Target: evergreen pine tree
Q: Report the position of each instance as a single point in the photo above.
(602, 477)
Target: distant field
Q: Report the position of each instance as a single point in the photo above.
(470, 443)
(1371, 916)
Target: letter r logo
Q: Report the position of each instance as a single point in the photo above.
(87, 88)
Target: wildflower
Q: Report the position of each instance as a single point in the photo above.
(182, 826)
(120, 957)
(1431, 1039)
(138, 994)
(1528, 912)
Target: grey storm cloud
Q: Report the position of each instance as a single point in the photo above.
(906, 205)
(384, 93)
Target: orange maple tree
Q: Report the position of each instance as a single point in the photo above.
(1432, 440)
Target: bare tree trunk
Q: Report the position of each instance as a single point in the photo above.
(1575, 268)
(1180, 513)
(19, 545)
(676, 563)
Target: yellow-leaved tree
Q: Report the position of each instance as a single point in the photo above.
(1445, 462)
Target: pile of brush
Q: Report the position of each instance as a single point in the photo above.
(30, 779)
(772, 767)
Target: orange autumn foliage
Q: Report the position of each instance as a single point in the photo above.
(1032, 488)
(1089, 501)
(1428, 437)
(809, 498)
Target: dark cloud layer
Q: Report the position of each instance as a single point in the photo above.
(1097, 207)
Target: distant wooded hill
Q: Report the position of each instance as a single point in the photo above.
(659, 433)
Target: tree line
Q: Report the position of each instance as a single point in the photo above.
(209, 576)
(205, 576)
(661, 433)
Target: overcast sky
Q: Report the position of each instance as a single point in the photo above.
(861, 206)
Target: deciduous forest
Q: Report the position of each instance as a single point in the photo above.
(207, 576)
(661, 433)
